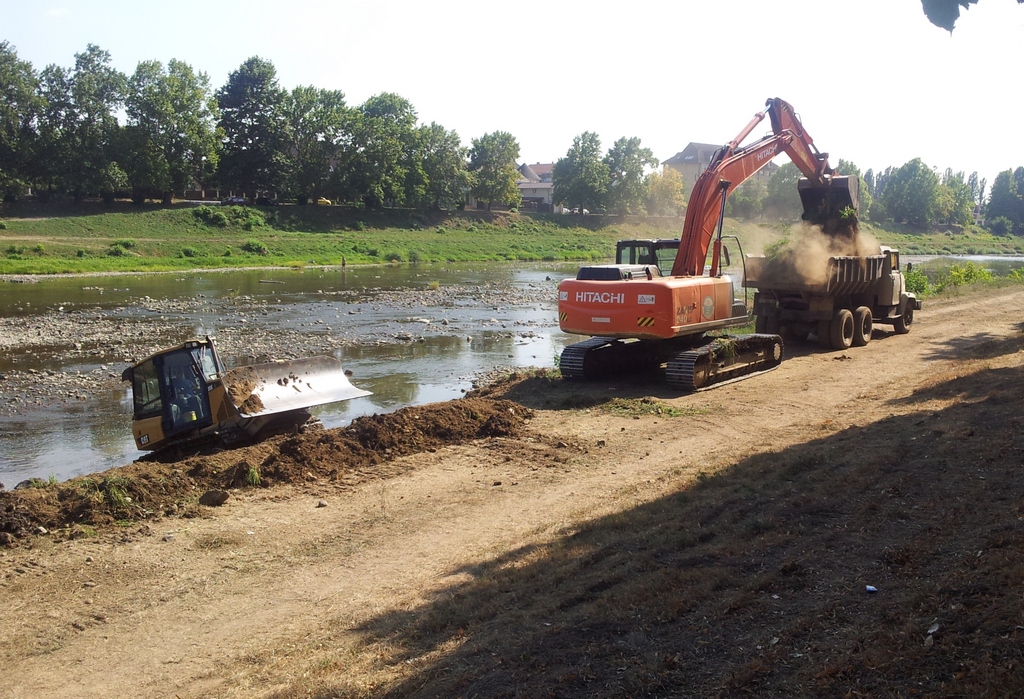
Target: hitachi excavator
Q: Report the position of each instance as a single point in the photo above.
(183, 394)
(636, 317)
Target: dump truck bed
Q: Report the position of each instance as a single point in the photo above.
(842, 275)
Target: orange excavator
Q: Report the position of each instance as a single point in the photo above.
(637, 318)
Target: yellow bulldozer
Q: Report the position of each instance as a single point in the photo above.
(183, 394)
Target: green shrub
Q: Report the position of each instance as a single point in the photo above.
(126, 243)
(255, 247)
(116, 250)
(81, 253)
(39, 249)
(393, 257)
(15, 249)
(189, 252)
(414, 256)
(1000, 226)
(3, 225)
(917, 282)
(959, 275)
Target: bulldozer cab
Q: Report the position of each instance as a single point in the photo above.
(174, 386)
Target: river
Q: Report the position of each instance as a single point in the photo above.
(410, 334)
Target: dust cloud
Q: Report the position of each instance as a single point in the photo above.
(802, 256)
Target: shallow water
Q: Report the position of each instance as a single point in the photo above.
(481, 335)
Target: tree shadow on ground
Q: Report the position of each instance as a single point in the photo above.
(755, 581)
(980, 345)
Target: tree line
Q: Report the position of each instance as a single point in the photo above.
(60, 134)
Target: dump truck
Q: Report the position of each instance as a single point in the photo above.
(636, 316)
(841, 306)
(183, 394)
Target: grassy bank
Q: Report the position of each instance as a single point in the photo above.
(64, 238)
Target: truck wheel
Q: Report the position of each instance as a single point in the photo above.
(902, 324)
(841, 334)
(825, 334)
(862, 326)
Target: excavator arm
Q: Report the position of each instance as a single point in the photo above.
(732, 165)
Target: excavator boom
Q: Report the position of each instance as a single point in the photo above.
(825, 197)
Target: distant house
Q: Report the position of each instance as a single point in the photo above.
(695, 158)
(535, 187)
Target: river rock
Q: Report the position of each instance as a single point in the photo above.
(214, 498)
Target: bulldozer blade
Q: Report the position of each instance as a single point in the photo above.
(830, 205)
(277, 387)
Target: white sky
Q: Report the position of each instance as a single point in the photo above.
(873, 81)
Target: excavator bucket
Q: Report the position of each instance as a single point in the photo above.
(832, 206)
(277, 387)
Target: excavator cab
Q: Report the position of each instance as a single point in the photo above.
(659, 252)
(832, 206)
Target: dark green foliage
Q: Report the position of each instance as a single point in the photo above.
(255, 247)
(581, 177)
(224, 216)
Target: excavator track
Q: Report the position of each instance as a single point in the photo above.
(600, 357)
(723, 359)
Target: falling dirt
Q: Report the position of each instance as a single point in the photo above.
(801, 258)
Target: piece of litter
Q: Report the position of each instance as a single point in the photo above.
(871, 589)
(933, 628)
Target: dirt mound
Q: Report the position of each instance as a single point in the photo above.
(148, 490)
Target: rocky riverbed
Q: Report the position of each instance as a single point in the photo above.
(68, 353)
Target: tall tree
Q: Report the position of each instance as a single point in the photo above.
(665, 194)
(956, 203)
(911, 193)
(319, 126)
(19, 111)
(254, 125)
(746, 202)
(443, 159)
(79, 129)
(492, 159)
(627, 164)
(1006, 201)
(580, 179)
(172, 137)
(782, 199)
(382, 142)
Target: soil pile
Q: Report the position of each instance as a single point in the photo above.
(345, 456)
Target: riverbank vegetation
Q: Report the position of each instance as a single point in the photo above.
(92, 237)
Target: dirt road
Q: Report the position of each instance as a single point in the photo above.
(511, 565)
